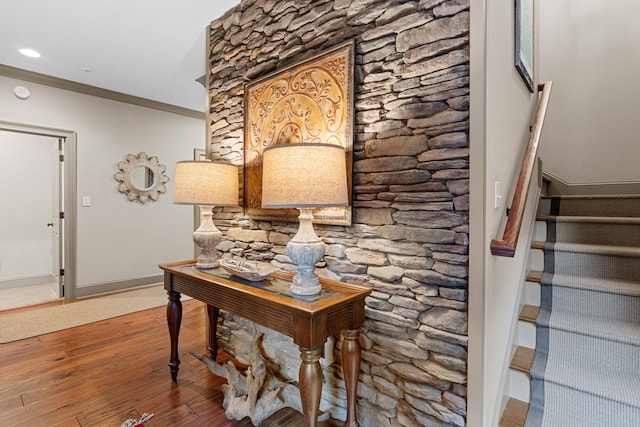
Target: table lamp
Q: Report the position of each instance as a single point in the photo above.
(304, 176)
(207, 184)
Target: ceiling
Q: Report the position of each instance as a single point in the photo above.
(153, 49)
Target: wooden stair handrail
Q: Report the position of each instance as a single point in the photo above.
(507, 246)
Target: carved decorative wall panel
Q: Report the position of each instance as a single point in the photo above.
(311, 101)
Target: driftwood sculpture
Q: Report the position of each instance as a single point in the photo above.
(259, 393)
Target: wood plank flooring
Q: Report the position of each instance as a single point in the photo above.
(106, 372)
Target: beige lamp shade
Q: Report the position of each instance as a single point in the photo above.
(205, 183)
(304, 175)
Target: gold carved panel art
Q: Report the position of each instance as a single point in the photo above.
(311, 101)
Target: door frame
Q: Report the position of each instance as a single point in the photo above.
(70, 191)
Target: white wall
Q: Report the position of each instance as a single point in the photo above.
(117, 240)
(501, 112)
(590, 49)
(26, 171)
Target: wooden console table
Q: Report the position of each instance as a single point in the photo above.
(308, 320)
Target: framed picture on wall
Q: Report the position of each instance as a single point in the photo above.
(524, 49)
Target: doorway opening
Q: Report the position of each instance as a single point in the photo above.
(40, 192)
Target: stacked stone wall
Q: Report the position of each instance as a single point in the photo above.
(409, 237)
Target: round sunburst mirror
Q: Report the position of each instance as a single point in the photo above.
(141, 178)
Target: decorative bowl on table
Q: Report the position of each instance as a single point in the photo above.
(250, 270)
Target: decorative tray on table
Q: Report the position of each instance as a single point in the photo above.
(250, 270)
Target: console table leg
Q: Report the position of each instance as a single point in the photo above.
(351, 355)
(174, 319)
(310, 377)
(212, 337)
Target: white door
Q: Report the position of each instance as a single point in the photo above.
(57, 220)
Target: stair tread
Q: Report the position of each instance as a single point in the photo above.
(590, 219)
(538, 244)
(591, 196)
(585, 248)
(522, 359)
(529, 313)
(616, 286)
(534, 276)
(514, 414)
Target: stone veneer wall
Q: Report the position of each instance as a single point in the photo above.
(409, 238)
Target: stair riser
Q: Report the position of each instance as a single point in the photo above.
(594, 303)
(532, 293)
(536, 259)
(544, 206)
(613, 207)
(519, 385)
(540, 231)
(594, 233)
(588, 352)
(527, 334)
(592, 265)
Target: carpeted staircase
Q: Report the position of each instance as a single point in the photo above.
(586, 366)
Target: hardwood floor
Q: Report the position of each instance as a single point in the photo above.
(106, 372)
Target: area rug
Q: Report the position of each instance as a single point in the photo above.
(19, 325)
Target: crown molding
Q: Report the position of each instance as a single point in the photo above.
(43, 79)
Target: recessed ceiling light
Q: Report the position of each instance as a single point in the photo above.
(30, 53)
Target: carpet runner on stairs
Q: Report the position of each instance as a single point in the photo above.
(586, 370)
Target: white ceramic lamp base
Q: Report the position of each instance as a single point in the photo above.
(207, 237)
(305, 250)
